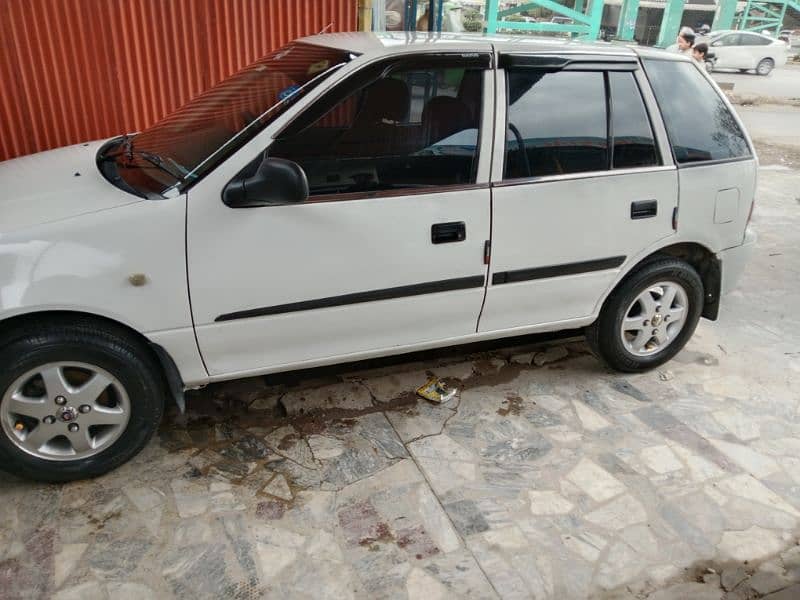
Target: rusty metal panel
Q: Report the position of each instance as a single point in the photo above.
(76, 70)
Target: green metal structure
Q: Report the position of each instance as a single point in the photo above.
(626, 25)
(723, 16)
(670, 23)
(584, 24)
(760, 15)
(584, 19)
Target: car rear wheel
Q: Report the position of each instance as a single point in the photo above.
(76, 400)
(649, 317)
(765, 66)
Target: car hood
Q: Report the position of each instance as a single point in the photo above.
(55, 185)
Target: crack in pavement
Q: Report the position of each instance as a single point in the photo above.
(441, 506)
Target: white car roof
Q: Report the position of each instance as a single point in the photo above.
(389, 42)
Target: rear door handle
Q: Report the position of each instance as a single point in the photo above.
(446, 233)
(644, 209)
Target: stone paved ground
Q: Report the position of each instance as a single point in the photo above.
(556, 481)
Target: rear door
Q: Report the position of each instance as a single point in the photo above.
(581, 186)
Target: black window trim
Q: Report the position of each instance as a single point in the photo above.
(648, 116)
(590, 65)
(696, 163)
(566, 62)
(718, 161)
(483, 60)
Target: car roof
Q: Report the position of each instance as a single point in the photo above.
(390, 42)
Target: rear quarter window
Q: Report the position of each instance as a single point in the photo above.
(699, 124)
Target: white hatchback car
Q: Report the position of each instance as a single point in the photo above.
(747, 51)
(357, 195)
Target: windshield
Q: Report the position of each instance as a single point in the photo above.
(186, 144)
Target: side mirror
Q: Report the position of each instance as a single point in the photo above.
(275, 181)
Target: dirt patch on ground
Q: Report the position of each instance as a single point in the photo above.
(778, 154)
(512, 405)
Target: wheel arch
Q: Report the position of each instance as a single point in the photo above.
(703, 260)
(168, 369)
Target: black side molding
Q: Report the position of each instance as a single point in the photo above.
(557, 270)
(405, 291)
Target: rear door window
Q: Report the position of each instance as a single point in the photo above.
(699, 124)
(557, 123)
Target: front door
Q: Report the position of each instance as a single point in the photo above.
(582, 188)
(388, 249)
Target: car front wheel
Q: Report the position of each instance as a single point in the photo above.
(649, 317)
(76, 400)
(765, 66)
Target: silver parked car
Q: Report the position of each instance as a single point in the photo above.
(746, 51)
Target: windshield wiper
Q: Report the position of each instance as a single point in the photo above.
(129, 152)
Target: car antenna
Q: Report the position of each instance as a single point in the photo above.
(324, 29)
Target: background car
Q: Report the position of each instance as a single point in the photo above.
(746, 51)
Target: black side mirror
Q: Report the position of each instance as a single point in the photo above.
(275, 181)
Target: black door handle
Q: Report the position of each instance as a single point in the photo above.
(644, 209)
(445, 233)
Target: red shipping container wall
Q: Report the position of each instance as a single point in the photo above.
(77, 70)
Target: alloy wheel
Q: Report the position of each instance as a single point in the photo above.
(655, 318)
(64, 411)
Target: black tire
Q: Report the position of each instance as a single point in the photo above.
(110, 348)
(604, 337)
(765, 67)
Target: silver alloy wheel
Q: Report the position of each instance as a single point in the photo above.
(655, 318)
(765, 67)
(64, 411)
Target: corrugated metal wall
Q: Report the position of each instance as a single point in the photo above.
(76, 70)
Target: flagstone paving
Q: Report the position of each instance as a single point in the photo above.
(562, 481)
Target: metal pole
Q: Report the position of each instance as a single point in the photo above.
(783, 16)
(670, 23)
(723, 16)
(492, 6)
(578, 6)
(595, 14)
(626, 27)
(745, 15)
(411, 15)
(365, 15)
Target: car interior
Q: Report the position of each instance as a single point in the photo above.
(408, 129)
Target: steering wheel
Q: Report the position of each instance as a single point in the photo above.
(523, 153)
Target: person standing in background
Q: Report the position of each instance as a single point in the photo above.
(700, 52)
(684, 42)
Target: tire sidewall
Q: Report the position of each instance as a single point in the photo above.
(671, 271)
(134, 374)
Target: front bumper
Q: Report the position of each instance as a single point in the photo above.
(733, 261)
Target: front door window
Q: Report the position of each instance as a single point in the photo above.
(409, 128)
